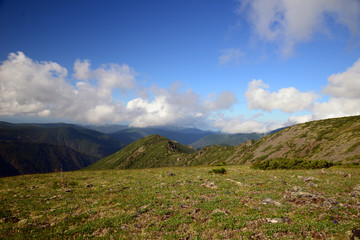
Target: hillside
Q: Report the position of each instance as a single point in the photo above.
(79, 139)
(226, 139)
(334, 140)
(149, 152)
(27, 158)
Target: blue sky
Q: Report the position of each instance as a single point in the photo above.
(234, 66)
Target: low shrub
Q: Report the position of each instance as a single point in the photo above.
(282, 163)
(218, 171)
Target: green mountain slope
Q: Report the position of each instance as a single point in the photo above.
(149, 152)
(226, 139)
(27, 158)
(334, 140)
(79, 139)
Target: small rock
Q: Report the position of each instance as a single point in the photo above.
(55, 196)
(89, 185)
(236, 182)
(311, 184)
(308, 179)
(347, 175)
(219, 211)
(22, 222)
(304, 194)
(170, 174)
(356, 191)
(278, 220)
(210, 185)
(296, 189)
(268, 201)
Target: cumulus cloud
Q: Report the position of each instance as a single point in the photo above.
(286, 99)
(346, 84)
(343, 90)
(289, 22)
(172, 106)
(224, 101)
(230, 55)
(29, 87)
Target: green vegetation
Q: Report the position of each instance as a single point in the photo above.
(226, 139)
(218, 171)
(311, 140)
(282, 163)
(26, 158)
(150, 152)
(333, 140)
(189, 203)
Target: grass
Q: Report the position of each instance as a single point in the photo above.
(189, 203)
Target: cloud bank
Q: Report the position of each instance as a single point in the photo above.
(287, 23)
(288, 100)
(33, 88)
(343, 99)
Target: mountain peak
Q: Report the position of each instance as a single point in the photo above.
(149, 152)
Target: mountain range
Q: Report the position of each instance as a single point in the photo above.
(38, 148)
(334, 140)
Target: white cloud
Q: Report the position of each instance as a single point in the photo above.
(336, 107)
(286, 99)
(172, 107)
(346, 84)
(298, 119)
(28, 87)
(34, 88)
(289, 22)
(224, 101)
(109, 76)
(343, 91)
(230, 55)
(82, 70)
(344, 95)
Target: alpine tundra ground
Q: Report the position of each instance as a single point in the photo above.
(182, 203)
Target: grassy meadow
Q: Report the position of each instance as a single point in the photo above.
(181, 203)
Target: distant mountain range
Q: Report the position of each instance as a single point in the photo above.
(40, 148)
(333, 140)
(76, 146)
(26, 158)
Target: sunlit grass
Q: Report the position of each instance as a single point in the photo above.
(179, 203)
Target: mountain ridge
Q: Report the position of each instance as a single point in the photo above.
(333, 140)
(149, 152)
